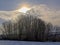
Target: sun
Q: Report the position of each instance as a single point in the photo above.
(23, 9)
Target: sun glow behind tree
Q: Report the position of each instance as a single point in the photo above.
(23, 9)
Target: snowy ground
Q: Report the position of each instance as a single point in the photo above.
(27, 43)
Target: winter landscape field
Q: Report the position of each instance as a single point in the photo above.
(29, 22)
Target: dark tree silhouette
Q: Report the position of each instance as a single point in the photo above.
(31, 28)
(28, 27)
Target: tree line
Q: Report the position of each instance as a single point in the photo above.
(29, 28)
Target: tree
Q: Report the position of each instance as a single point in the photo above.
(32, 28)
(28, 27)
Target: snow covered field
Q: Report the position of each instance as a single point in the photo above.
(3, 42)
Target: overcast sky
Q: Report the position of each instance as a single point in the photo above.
(13, 4)
(49, 9)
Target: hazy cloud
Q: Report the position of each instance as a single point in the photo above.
(46, 13)
(42, 11)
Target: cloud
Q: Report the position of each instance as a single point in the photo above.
(8, 15)
(47, 14)
(5, 15)
(41, 11)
